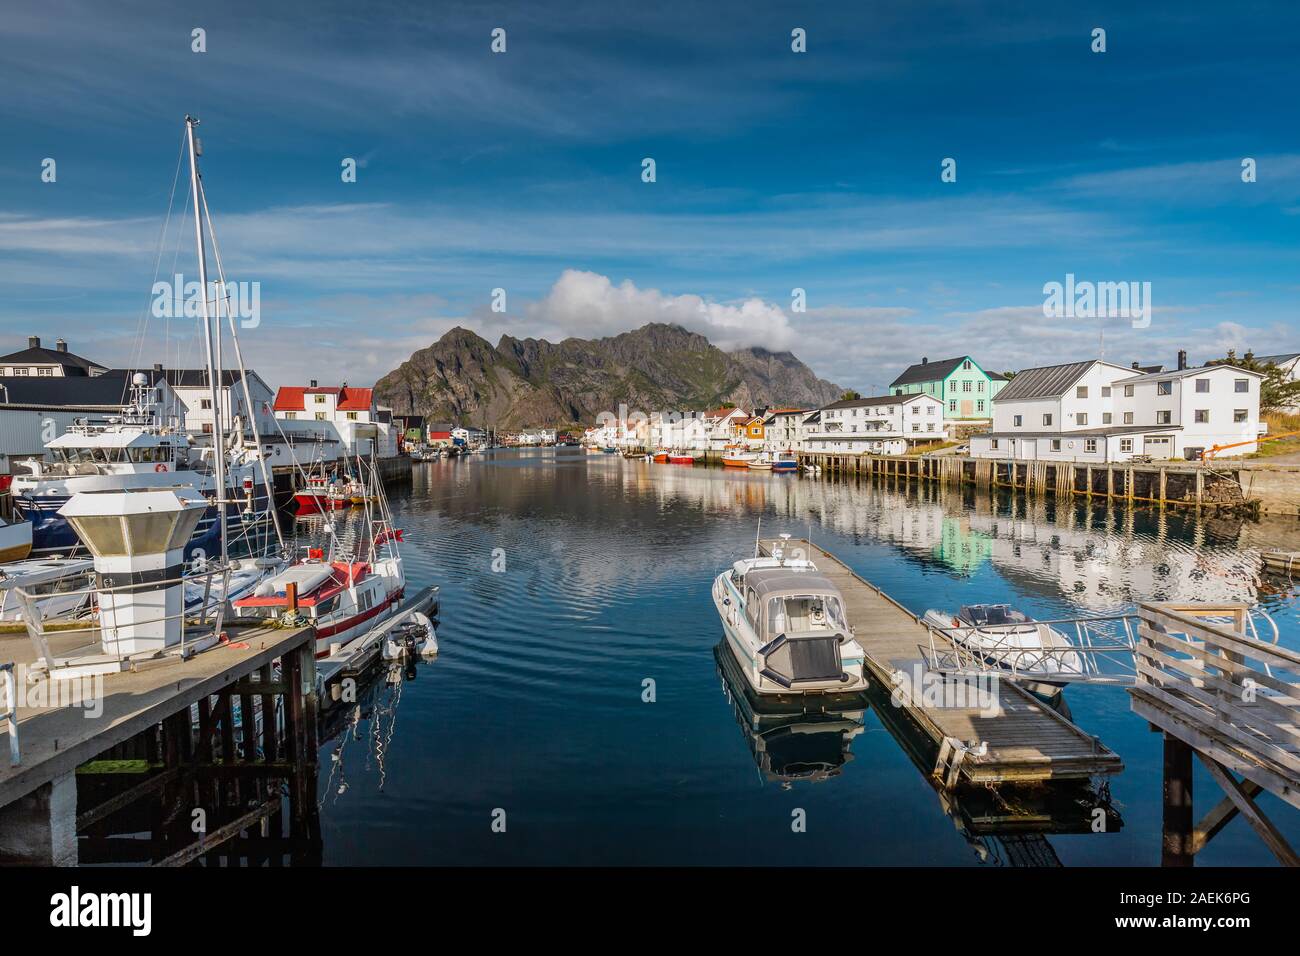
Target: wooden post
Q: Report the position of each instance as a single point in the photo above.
(1176, 844)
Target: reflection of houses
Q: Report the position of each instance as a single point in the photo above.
(1095, 411)
(888, 425)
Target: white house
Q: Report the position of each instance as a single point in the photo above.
(38, 362)
(343, 413)
(1288, 362)
(189, 400)
(783, 429)
(1096, 411)
(884, 426)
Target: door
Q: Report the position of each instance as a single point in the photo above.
(1157, 446)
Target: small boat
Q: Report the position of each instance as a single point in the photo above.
(58, 587)
(785, 625)
(203, 590)
(737, 458)
(661, 456)
(681, 458)
(761, 463)
(1009, 639)
(785, 462)
(609, 450)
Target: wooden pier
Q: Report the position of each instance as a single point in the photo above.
(220, 738)
(1005, 735)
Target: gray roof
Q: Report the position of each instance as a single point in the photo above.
(1277, 359)
(928, 371)
(57, 391)
(880, 400)
(1050, 381)
(777, 581)
(1182, 373)
(44, 356)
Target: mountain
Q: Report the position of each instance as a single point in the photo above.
(533, 382)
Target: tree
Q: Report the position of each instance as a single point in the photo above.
(850, 396)
(1276, 391)
(1008, 375)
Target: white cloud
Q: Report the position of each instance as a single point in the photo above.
(589, 305)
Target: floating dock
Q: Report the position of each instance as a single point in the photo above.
(1005, 735)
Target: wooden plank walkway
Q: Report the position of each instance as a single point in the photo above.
(1011, 736)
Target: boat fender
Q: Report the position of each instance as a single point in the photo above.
(160, 467)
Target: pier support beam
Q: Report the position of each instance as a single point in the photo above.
(40, 829)
(1177, 845)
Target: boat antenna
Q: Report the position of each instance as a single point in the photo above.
(757, 534)
(218, 440)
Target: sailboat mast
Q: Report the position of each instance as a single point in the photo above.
(218, 438)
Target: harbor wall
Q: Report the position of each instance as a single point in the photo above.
(1245, 486)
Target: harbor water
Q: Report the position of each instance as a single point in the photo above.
(577, 714)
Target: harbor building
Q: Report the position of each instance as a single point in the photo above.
(885, 425)
(783, 429)
(38, 362)
(966, 390)
(343, 413)
(1096, 411)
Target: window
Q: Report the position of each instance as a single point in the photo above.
(916, 426)
(1128, 391)
(1106, 418)
(1165, 387)
(20, 371)
(929, 426)
(1165, 417)
(205, 403)
(1128, 418)
(1081, 391)
(1203, 386)
(993, 444)
(898, 391)
(1056, 444)
(1126, 446)
(320, 416)
(207, 428)
(1090, 446)
(1241, 385)
(319, 399)
(979, 405)
(1047, 418)
(291, 415)
(952, 404)
(1081, 418)
(965, 386)
(1018, 420)
(1202, 416)
(45, 371)
(1105, 391)
(966, 365)
(979, 387)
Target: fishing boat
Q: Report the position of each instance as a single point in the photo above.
(323, 493)
(661, 456)
(683, 457)
(57, 587)
(1011, 640)
(761, 463)
(344, 590)
(785, 462)
(735, 457)
(785, 625)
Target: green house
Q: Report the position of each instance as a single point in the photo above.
(966, 390)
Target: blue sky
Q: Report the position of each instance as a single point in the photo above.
(775, 170)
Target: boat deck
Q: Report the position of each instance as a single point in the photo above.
(1008, 736)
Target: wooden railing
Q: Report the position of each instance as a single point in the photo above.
(1227, 693)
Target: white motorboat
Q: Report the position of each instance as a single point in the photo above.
(1008, 639)
(58, 587)
(785, 625)
(15, 540)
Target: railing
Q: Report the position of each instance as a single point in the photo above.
(1101, 651)
(1205, 665)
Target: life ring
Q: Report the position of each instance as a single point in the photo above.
(160, 467)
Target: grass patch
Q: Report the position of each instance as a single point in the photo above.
(1279, 423)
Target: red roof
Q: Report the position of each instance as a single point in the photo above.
(291, 398)
(722, 412)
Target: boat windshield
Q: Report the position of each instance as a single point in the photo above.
(803, 613)
(991, 615)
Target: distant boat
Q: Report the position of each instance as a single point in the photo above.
(736, 458)
(761, 463)
(661, 456)
(785, 461)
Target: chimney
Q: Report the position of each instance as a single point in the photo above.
(1137, 366)
(157, 366)
(60, 346)
(925, 360)
(33, 341)
(1182, 359)
(313, 384)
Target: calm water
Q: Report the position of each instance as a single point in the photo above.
(534, 705)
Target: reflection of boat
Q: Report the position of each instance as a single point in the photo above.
(788, 747)
(1009, 639)
(785, 624)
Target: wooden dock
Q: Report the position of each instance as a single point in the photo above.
(253, 726)
(1005, 736)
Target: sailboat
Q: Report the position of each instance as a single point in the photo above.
(141, 449)
(345, 590)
